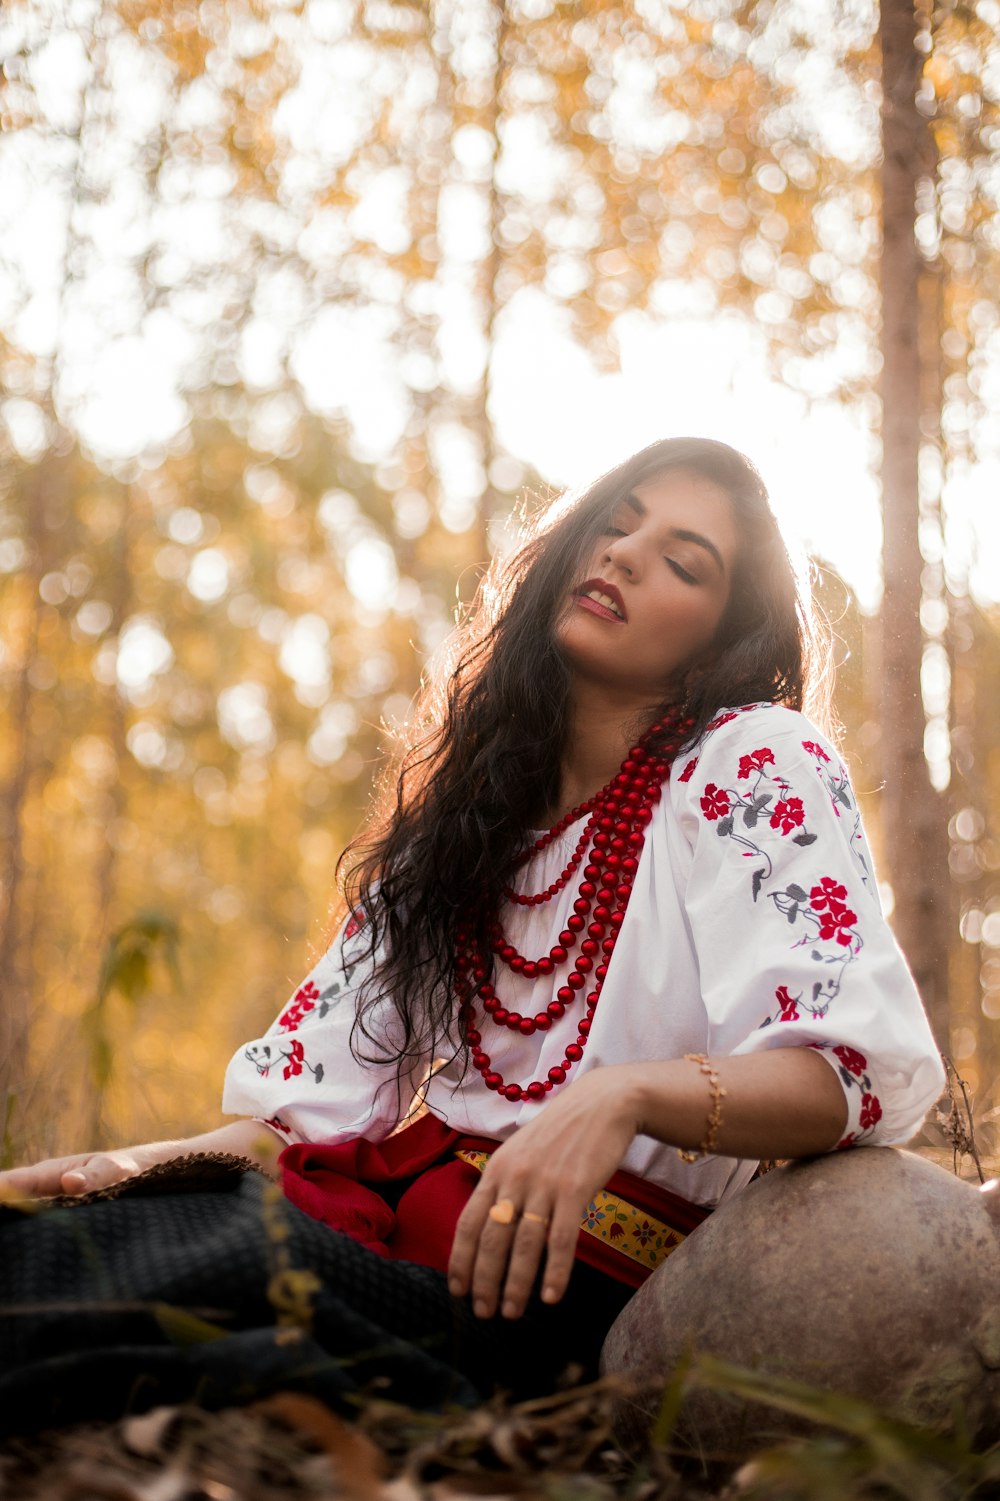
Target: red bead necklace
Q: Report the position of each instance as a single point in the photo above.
(615, 833)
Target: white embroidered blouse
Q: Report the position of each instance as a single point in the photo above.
(754, 922)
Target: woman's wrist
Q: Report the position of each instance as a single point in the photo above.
(668, 1101)
(785, 1102)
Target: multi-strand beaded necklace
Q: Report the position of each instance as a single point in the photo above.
(610, 844)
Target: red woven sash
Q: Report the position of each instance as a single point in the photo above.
(627, 1231)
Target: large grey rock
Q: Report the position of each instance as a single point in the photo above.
(870, 1272)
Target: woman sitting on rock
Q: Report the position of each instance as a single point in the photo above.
(617, 928)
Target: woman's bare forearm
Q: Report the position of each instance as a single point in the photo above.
(786, 1102)
(242, 1138)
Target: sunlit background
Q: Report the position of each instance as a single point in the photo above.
(296, 301)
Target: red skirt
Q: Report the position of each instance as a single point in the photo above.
(626, 1233)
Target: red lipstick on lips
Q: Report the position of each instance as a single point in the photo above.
(601, 586)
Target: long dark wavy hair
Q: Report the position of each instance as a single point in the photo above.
(481, 756)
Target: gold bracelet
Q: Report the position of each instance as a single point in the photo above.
(714, 1119)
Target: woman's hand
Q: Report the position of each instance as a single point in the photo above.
(549, 1171)
(77, 1174)
(84, 1171)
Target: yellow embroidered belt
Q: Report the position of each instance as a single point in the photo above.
(611, 1219)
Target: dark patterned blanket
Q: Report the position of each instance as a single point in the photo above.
(200, 1282)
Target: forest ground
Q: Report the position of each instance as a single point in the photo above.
(291, 1447)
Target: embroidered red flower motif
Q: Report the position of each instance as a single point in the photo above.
(688, 771)
(815, 750)
(853, 1061)
(616, 1231)
(829, 893)
(278, 1124)
(356, 923)
(845, 1142)
(871, 1111)
(294, 1064)
(789, 1010)
(756, 761)
(644, 1233)
(835, 918)
(721, 720)
(714, 803)
(304, 1000)
(838, 926)
(788, 815)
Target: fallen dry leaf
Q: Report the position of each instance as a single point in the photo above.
(358, 1465)
(146, 1434)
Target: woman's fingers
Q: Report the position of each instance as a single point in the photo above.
(561, 1240)
(98, 1171)
(505, 1250)
(525, 1257)
(78, 1174)
(492, 1254)
(483, 1238)
(553, 1231)
(465, 1245)
(40, 1180)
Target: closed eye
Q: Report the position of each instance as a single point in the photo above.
(682, 573)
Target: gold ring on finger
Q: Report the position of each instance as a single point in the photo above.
(502, 1212)
(537, 1219)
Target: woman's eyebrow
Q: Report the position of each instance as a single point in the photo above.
(681, 533)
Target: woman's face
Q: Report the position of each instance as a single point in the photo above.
(655, 588)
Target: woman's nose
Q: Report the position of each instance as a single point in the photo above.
(622, 554)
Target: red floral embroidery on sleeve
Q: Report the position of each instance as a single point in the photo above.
(688, 771)
(824, 908)
(722, 719)
(845, 1142)
(842, 800)
(836, 920)
(750, 805)
(304, 1000)
(755, 761)
(788, 814)
(294, 1055)
(296, 1060)
(788, 1004)
(856, 1063)
(355, 923)
(714, 803)
(871, 1111)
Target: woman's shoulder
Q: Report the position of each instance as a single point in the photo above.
(747, 730)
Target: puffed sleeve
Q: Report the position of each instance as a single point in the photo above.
(302, 1078)
(792, 946)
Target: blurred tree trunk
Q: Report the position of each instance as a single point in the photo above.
(47, 479)
(119, 589)
(490, 271)
(14, 997)
(914, 815)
